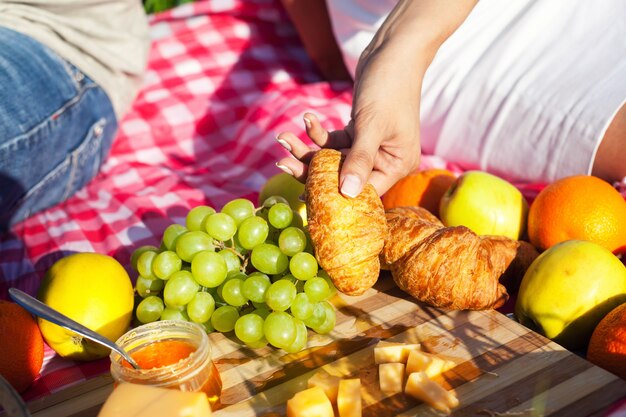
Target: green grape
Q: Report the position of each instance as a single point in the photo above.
(262, 342)
(166, 263)
(201, 307)
(280, 295)
(323, 274)
(231, 275)
(269, 259)
(209, 269)
(233, 263)
(149, 309)
(172, 313)
(232, 294)
(190, 243)
(287, 277)
(303, 266)
(146, 286)
(252, 231)
(330, 318)
(271, 200)
(144, 264)
(261, 310)
(280, 215)
(196, 216)
(224, 318)
(180, 289)
(239, 209)
(255, 286)
(318, 318)
(302, 307)
(208, 327)
(249, 328)
(137, 252)
(280, 329)
(220, 226)
(292, 241)
(299, 343)
(171, 234)
(317, 289)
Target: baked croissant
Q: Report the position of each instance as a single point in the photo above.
(348, 234)
(451, 267)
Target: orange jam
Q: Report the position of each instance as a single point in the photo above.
(159, 354)
(170, 354)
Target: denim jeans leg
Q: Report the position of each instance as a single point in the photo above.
(56, 128)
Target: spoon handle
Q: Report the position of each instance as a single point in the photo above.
(36, 307)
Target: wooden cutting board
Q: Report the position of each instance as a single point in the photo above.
(504, 369)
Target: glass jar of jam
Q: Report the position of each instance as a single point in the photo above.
(171, 354)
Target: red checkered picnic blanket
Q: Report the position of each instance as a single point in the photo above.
(225, 77)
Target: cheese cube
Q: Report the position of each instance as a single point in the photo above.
(431, 364)
(391, 377)
(419, 386)
(133, 400)
(388, 352)
(311, 402)
(329, 383)
(349, 398)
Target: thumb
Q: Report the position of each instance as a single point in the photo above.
(356, 169)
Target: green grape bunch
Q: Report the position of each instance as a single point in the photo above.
(245, 269)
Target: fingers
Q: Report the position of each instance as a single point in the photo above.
(337, 139)
(296, 147)
(293, 167)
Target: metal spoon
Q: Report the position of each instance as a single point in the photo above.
(46, 312)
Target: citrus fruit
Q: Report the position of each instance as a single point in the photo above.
(286, 186)
(578, 207)
(424, 189)
(607, 347)
(21, 350)
(568, 289)
(94, 290)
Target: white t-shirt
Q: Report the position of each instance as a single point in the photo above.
(525, 88)
(108, 40)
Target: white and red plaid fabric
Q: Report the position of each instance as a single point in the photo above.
(225, 77)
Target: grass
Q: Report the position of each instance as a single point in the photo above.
(155, 6)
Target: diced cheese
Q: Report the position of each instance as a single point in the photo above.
(419, 386)
(133, 400)
(391, 377)
(311, 402)
(349, 398)
(429, 363)
(388, 352)
(329, 383)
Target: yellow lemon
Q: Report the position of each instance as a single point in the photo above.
(92, 289)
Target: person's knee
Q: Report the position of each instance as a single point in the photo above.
(610, 161)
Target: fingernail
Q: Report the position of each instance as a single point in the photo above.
(283, 168)
(307, 122)
(284, 144)
(351, 186)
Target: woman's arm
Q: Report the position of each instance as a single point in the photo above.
(310, 17)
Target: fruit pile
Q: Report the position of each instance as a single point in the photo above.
(248, 269)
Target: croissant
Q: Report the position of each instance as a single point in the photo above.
(348, 234)
(451, 267)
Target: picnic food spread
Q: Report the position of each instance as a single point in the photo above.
(252, 274)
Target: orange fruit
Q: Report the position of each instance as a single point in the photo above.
(581, 207)
(423, 189)
(607, 346)
(21, 350)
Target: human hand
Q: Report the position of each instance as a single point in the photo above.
(381, 141)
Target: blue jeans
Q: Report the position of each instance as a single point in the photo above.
(56, 128)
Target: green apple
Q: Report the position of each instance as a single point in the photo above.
(568, 289)
(485, 203)
(286, 186)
